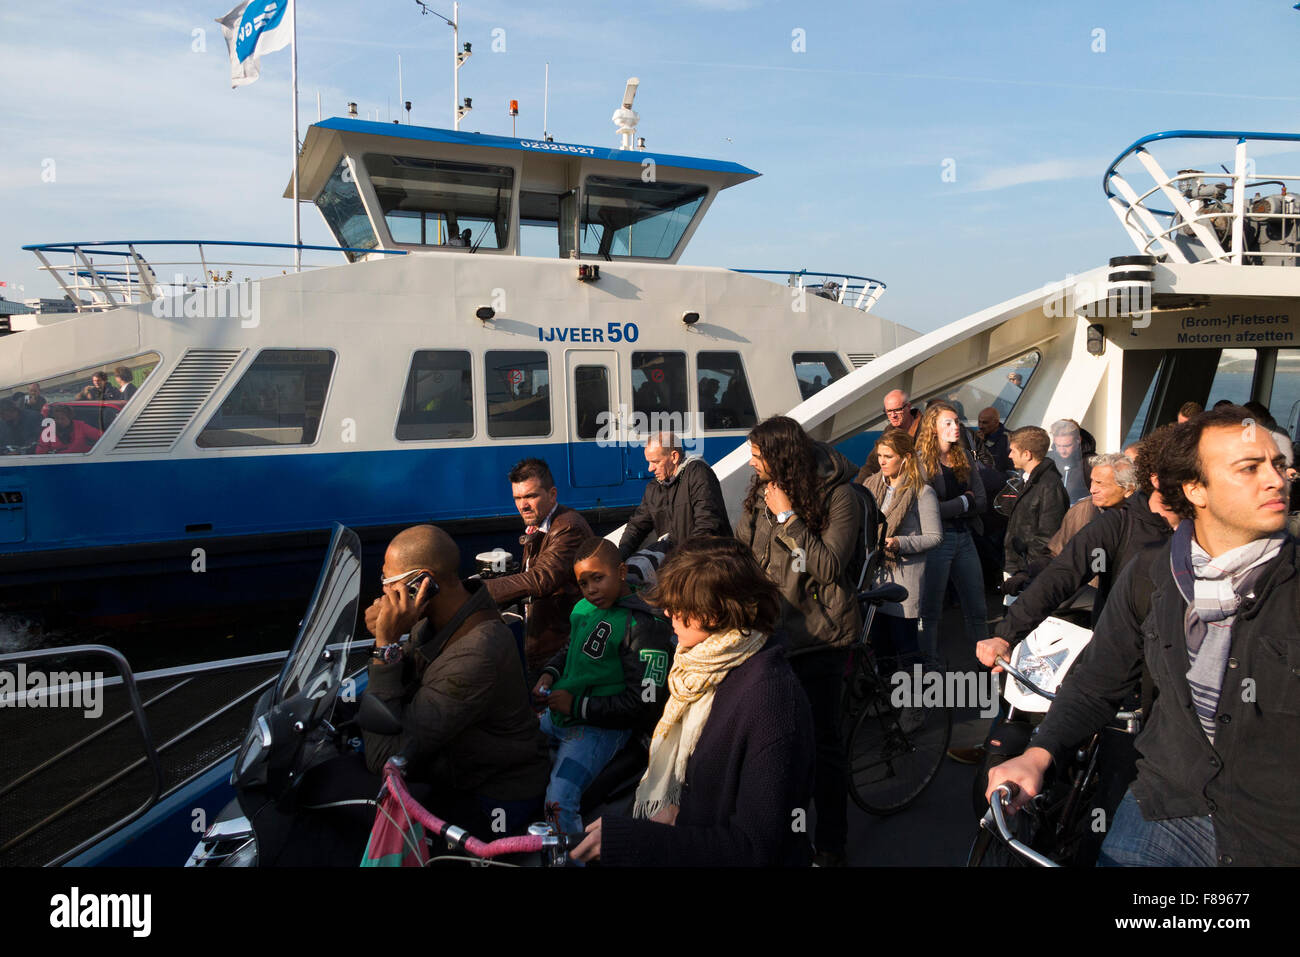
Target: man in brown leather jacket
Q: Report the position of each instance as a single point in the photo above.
(552, 533)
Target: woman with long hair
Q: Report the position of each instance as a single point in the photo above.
(731, 757)
(912, 528)
(803, 521)
(949, 469)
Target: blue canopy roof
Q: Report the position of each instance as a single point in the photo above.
(430, 134)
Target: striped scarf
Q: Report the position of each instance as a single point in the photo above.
(1213, 589)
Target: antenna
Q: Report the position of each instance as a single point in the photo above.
(625, 118)
(546, 103)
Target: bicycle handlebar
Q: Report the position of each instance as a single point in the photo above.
(1002, 794)
(458, 837)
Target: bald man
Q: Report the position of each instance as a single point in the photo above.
(683, 501)
(457, 685)
(899, 412)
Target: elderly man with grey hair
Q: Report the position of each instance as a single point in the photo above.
(683, 501)
(1114, 478)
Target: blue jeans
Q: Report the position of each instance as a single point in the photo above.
(955, 556)
(1134, 841)
(583, 750)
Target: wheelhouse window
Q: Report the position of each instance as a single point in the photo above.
(725, 400)
(1284, 401)
(1233, 377)
(439, 203)
(69, 413)
(659, 390)
(816, 370)
(277, 401)
(340, 204)
(518, 386)
(626, 217)
(438, 402)
(999, 388)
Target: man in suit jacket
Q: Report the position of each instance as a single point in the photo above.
(552, 533)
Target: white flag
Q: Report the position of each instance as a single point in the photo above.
(255, 27)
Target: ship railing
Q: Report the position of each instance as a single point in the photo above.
(107, 274)
(858, 292)
(72, 780)
(1196, 216)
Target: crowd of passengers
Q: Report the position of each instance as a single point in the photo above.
(731, 664)
(30, 422)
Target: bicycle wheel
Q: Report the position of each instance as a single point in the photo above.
(894, 753)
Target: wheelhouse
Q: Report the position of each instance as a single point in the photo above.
(392, 186)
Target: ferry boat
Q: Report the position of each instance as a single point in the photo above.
(1118, 348)
(500, 298)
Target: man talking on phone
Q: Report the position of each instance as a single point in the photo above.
(457, 687)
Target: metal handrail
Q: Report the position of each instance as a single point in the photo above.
(133, 696)
(131, 682)
(139, 281)
(869, 290)
(1138, 144)
(1193, 208)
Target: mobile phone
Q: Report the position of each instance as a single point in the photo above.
(413, 586)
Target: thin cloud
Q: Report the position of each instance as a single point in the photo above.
(1046, 171)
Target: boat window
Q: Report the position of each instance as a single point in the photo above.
(438, 400)
(440, 203)
(546, 224)
(626, 217)
(277, 401)
(1232, 379)
(68, 413)
(1139, 426)
(1284, 403)
(725, 400)
(518, 385)
(591, 402)
(659, 390)
(340, 204)
(999, 388)
(816, 370)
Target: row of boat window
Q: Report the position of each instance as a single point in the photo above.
(280, 398)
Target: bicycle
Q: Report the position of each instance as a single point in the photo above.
(401, 812)
(1052, 827)
(893, 753)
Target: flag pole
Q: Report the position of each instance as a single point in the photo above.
(297, 215)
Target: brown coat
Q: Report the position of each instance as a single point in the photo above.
(1079, 515)
(549, 584)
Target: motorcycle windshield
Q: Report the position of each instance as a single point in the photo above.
(330, 620)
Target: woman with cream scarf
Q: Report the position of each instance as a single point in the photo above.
(731, 760)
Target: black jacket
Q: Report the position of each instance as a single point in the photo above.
(1102, 548)
(466, 719)
(1037, 515)
(998, 447)
(686, 506)
(646, 654)
(1248, 780)
(748, 781)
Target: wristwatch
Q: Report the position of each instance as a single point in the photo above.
(387, 654)
(785, 516)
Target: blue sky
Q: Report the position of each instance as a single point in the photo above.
(851, 135)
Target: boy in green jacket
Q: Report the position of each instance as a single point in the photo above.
(608, 684)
